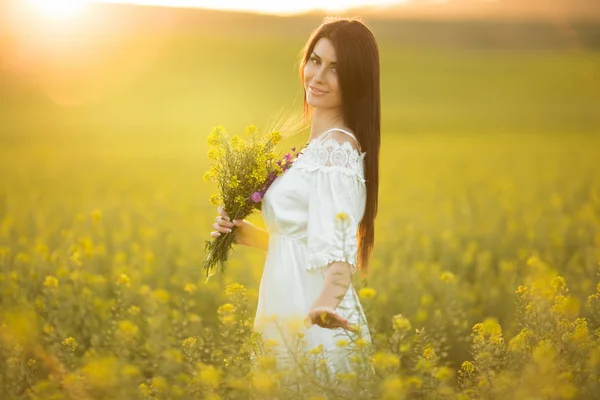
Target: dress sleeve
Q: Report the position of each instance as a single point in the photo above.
(333, 236)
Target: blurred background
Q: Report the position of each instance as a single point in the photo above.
(490, 149)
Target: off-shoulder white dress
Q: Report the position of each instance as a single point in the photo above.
(299, 210)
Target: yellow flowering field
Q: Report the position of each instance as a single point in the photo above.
(485, 278)
(484, 282)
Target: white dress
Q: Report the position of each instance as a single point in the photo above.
(299, 211)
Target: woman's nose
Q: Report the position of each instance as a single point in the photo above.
(319, 75)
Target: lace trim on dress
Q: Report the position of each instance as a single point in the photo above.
(334, 155)
(321, 261)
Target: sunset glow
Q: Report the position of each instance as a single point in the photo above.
(263, 6)
(57, 8)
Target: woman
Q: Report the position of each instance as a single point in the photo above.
(309, 263)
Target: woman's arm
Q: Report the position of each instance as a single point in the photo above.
(261, 239)
(337, 282)
(248, 234)
(322, 313)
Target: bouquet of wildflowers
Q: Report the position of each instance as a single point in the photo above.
(244, 169)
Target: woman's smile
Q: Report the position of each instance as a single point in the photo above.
(316, 91)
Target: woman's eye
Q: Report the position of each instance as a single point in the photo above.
(334, 69)
(315, 61)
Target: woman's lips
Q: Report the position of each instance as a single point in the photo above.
(316, 91)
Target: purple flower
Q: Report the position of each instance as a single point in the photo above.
(256, 197)
(287, 157)
(293, 148)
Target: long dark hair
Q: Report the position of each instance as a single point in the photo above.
(357, 56)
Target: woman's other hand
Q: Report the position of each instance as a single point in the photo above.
(327, 317)
(223, 225)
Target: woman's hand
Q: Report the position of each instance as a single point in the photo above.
(223, 225)
(326, 317)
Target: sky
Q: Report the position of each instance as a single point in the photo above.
(262, 6)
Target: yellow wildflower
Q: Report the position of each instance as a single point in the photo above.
(189, 288)
(274, 137)
(444, 374)
(392, 388)
(215, 199)
(209, 376)
(240, 200)
(385, 360)
(127, 330)
(70, 344)
(235, 289)
(263, 382)
(226, 308)
(468, 367)
(189, 342)
(316, 350)
(367, 293)
(237, 142)
(342, 343)
(250, 130)
(447, 276)
(234, 182)
(133, 310)
(123, 280)
(96, 215)
(342, 217)
(216, 135)
(51, 282)
(401, 323)
(429, 353)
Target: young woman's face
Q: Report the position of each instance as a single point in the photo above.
(320, 77)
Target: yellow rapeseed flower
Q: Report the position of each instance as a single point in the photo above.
(235, 289)
(209, 376)
(215, 199)
(189, 288)
(342, 216)
(189, 342)
(367, 293)
(392, 387)
(237, 142)
(234, 182)
(448, 277)
(401, 323)
(123, 280)
(316, 350)
(250, 130)
(429, 353)
(70, 344)
(216, 135)
(96, 215)
(51, 282)
(274, 137)
(240, 200)
(226, 308)
(263, 381)
(127, 330)
(444, 374)
(385, 360)
(468, 367)
(216, 153)
(133, 310)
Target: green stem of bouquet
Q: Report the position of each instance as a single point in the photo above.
(218, 250)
